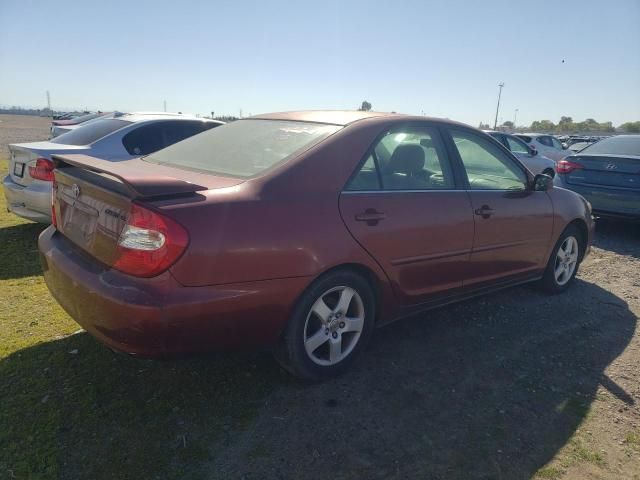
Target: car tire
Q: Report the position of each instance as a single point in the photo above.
(329, 326)
(564, 261)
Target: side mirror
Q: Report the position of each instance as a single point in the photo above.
(542, 183)
(532, 150)
(565, 146)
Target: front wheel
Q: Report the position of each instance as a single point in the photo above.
(329, 326)
(564, 261)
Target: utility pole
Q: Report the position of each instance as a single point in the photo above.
(49, 103)
(240, 113)
(495, 123)
(515, 117)
(165, 105)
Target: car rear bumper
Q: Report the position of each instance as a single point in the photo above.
(154, 317)
(32, 202)
(609, 202)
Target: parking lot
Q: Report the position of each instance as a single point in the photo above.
(512, 385)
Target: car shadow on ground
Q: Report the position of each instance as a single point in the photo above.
(19, 252)
(491, 388)
(622, 237)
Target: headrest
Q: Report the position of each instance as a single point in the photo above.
(407, 159)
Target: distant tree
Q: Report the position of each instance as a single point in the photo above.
(543, 126)
(630, 127)
(565, 124)
(484, 126)
(508, 124)
(365, 107)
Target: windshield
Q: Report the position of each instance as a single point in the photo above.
(87, 134)
(620, 145)
(244, 148)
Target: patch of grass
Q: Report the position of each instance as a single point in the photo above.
(577, 452)
(70, 408)
(632, 439)
(550, 473)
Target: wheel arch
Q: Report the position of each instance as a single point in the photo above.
(581, 225)
(374, 281)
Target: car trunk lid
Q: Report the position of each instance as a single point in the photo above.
(613, 171)
(22, 156)
(92, 198)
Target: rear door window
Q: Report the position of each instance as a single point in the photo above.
(410, 158)
(145, 139)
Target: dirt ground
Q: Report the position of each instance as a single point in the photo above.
(21, 128)
(513, 385)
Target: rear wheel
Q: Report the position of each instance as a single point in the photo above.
(564, 261)
(329, 326)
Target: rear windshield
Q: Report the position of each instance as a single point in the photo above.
(244, 148)
(622, 145)
(87, 134)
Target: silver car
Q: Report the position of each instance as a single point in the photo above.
(530, 157)
(28, 184)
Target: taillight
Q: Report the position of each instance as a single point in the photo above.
(567, 166)
(54, 188)
(149, 243)
(43, 170)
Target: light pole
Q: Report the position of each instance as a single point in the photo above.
(495, 123)
(515, 117)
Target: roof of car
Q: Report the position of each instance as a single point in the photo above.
(146, 116)
(344, 117)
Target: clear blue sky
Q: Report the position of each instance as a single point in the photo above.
(444, 58)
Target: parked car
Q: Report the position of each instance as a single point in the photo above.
(546, 145)
(300, 232)
(28, 184)
(57, 130)
(526, 154)
(607, 174)
(58, 127)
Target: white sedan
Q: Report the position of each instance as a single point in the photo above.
(546, 145)
(28, 184)
(530, 157)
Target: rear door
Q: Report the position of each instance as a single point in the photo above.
(513, 223)
(405, 206)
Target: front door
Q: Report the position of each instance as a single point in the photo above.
(513, 223)
(404, 207)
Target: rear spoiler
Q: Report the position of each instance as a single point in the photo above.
(141, 179)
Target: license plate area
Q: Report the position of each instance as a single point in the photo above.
(18, 169)
(79, 221)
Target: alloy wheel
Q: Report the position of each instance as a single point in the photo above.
(566, 260)
(333, 325)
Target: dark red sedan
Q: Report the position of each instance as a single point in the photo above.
(301, 232)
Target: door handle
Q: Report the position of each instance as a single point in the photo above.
(484, 211)
(371, 216)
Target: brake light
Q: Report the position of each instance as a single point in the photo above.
(567, 166)
(43, 170)
(54, 188)
(149, 243)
